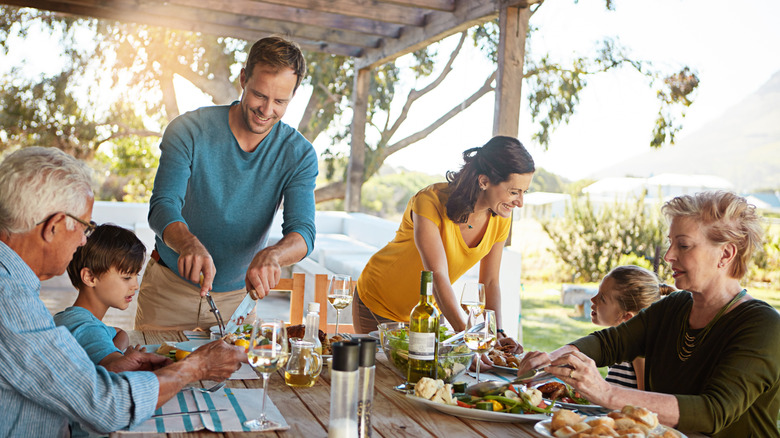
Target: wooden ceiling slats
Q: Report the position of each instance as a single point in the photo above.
(370, 9)
(297, 15)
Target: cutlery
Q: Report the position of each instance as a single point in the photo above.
(214, 388)
(180, 414)
(458, 336)
(497, 387)
(217, 315)
(214, 309)
(241, 312)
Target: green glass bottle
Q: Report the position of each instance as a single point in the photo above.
(423, 334)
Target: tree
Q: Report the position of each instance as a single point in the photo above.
(591, 239)
(70, 109)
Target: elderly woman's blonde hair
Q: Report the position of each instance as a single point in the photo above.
(726, 218)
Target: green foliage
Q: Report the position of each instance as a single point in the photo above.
(591, 239)
(765, 266)
(386, 196)
(545, 181)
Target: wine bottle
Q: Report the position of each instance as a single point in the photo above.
(423, 334)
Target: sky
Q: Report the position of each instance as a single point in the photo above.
(733, 48)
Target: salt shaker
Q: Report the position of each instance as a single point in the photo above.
(344, 390)
(366, 372)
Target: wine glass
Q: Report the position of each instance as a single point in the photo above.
(480, 337)
(340, 294)
(267, 352)
(472, 300)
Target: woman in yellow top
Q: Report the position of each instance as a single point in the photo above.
(447, 228)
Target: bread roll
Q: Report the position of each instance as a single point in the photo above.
(564, 417)
(602, 421)
(644, 416)
(564, 432)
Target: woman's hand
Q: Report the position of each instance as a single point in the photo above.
(581, 373)
(533, 360)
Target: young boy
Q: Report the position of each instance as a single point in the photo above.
(105, 272)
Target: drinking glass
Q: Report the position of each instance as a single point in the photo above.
(479, 337)
(472, 299)
(340, 294)
(304, 366)
(267, 352)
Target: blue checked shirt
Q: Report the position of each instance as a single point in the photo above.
(46, 377)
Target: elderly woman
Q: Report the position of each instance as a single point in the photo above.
(447, 228)
(712, 351)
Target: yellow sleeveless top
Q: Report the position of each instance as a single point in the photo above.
(390, 283)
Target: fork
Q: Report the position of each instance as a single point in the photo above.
(214, 388)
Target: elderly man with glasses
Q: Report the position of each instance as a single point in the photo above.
(46, 378)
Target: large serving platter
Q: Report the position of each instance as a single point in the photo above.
(477, 414)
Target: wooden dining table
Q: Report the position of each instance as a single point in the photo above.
(306, 410)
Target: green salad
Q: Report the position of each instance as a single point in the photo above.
(450, 365)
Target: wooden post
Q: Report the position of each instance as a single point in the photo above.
(513, 27)
(357, 153)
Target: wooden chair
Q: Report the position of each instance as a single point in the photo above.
(296, 285)
(321, 296)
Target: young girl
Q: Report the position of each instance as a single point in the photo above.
(622, 294)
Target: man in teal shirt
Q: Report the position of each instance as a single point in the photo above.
(224, 171)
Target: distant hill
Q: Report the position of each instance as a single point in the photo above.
(743, 146)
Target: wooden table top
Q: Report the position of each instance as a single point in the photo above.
(307, 409)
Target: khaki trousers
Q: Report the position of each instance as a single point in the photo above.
(168, 302)
(364, 320)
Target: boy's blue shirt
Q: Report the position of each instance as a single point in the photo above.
(92, 334)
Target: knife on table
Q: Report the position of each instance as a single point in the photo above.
(181, 414)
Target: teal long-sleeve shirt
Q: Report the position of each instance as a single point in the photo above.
(228, 197)
(729, 387)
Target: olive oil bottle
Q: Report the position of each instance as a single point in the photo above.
(423, 334)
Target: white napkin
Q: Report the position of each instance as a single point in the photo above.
(240, 405)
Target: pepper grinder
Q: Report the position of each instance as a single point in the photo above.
(366, 386)
(344, 390)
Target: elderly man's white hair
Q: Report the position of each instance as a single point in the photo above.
(37, 182)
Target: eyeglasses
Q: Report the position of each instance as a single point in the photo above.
(89, 227)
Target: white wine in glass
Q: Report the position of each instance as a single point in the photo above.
(340, 294)
(480, 338)
(472, 299)
(268, 351)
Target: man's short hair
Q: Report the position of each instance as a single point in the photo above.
(110, 246)
(277, 53)
(36, 182)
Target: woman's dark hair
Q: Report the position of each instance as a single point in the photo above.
(497, 159)
(110, 246)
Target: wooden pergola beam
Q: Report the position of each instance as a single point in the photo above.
(438, 26)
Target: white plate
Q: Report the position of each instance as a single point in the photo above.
(192, 345)
(478, 414)
(543, 427)
(374, 334)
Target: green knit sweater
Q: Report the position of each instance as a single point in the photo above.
(728, 387)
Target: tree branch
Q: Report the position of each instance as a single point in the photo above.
(416, 94)
(486, 88)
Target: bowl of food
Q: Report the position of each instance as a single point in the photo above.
(394, 337)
